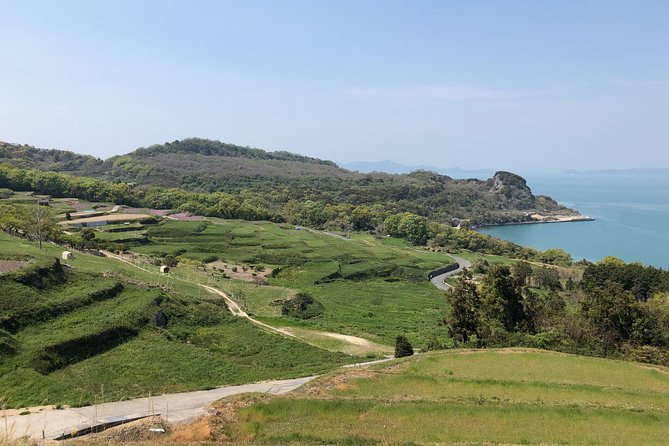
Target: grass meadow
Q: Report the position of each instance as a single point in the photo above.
(507, 396)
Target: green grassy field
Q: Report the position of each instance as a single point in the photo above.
(375, 288)
(508, 396)
(68, 332)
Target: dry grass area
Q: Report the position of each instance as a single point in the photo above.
(132, 432)
(23, 441)
(7, 266)
(197, 431)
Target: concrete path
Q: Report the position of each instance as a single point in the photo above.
(438, 281)
(176, 407)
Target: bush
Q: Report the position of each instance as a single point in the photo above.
(302, 306)
(8, 344)
(403, 347)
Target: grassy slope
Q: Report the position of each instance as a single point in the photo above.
(361, 303)
(504, 396)
(204, 346)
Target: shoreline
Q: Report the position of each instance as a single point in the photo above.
(545, 220)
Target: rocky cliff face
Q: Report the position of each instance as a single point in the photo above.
(512, 191)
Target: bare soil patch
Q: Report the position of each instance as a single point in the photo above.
(108, 218)
(134, 431)
(7, 266)
(240, 273)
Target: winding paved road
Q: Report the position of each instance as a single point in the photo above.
(175, 407)
(438, 281)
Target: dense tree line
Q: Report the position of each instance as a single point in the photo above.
(531, 306)
(247, 205)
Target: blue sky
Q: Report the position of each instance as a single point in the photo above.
(478, 84)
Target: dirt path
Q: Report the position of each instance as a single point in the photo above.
(237, 310)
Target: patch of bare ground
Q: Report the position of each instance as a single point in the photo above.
(240, 272)
(7, 266)
(224, 420)
(134, 431)
(321, 387)
(195, 431)
(33, 409)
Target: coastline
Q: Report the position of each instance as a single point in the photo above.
(541, 219)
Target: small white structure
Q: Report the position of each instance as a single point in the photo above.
(164, 269)
(66, 255)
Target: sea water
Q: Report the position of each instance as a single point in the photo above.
(631, 217)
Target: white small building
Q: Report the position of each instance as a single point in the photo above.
(66, 255)
(164, 269)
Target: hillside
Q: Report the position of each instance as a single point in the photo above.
(29, 157)
(508, 396)
(280, 177)
(69, 327)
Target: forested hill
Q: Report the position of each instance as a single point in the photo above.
(282, 178)
(29, 157)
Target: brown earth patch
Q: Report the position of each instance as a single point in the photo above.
(198, 430)
(133, 431)
(7, 266)
(321, 387)
(240, 274)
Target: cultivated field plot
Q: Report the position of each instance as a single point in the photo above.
(107, 218)
(508, 396)
(375, 288)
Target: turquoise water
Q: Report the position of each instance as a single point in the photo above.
(631, 212)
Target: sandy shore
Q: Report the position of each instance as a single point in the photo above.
(540, 219)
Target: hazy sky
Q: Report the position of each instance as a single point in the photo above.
(499, 84)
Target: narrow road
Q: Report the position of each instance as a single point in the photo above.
(438, 281)
(176, 407)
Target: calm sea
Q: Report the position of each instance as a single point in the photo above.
(631, 212)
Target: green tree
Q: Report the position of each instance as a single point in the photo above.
(548, 278)
(414, 228)
(87, 234)
(502, 298)
(522, 272)
(465, 319)
(170, 261)
(613, 311)
(403, 347)
(556, 256)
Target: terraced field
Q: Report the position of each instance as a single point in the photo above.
(508, 396)
(375, 288)
(69, 330)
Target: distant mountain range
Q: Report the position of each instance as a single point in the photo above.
(388, 166)
(641, 171)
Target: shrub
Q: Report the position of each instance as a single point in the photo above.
(402, 347)
(302, 306)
